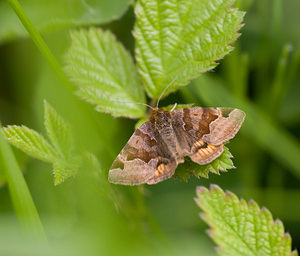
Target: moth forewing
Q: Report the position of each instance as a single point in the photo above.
(225, 127)
(157, 146)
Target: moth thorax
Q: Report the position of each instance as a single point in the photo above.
(160, 118)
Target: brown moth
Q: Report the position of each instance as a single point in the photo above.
(156, 148)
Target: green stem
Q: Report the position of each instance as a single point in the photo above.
(244, 73)
(143, 212)
(263, 55)
(278, 86)
(293, 69)
(236, 72)
(21, 198)
(276, 23)
(40, 43)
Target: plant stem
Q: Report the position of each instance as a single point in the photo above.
(144, 213)
(278, 87)
(276, 23)
(236, 72)
(21, 198)
(293, 69)
(40, 43)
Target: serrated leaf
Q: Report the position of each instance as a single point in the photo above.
(61, 173)
(58, 131)
(182, 38)
(65, 168)
(35, 145)
(50, 15)
(30, 142)
(221, 164)
(105, 73)
(241, 228)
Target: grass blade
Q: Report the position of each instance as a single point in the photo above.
(22, 201)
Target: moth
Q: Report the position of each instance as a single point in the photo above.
(156, 148)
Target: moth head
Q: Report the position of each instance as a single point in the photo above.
(159, 117)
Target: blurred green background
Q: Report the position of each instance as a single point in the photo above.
(261, 76)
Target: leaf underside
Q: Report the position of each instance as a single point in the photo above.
(241, 228)
(181, 39)
(221, 164)
(104, 73)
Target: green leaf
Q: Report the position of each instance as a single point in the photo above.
(2, 174)
(60, 134)
(105, 73)
(182, 38)
(50, 15)
(241, 228)
(58, 131)
(61, 172)
(65, 164)
(30, 142)
(222, 163)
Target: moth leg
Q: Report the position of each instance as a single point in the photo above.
(204, 153)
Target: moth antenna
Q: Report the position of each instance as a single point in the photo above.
(165, 90)
(129, 102)
(175, 105)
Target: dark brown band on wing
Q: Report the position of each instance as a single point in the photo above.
(198, 119)
(132, 151)
(146, 138)
(207, 117)
(188, 125)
